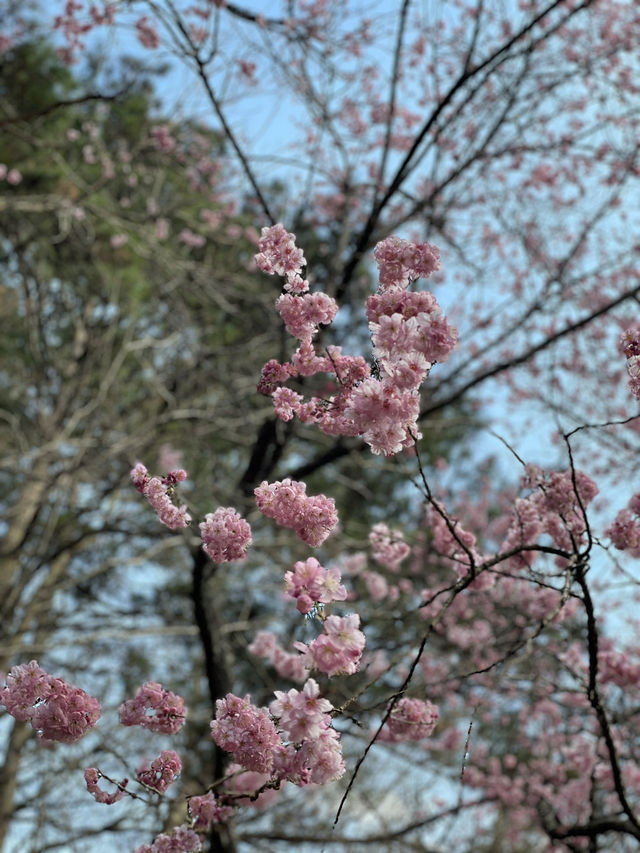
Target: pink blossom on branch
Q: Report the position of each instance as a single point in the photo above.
(182, 840)
(388, 546)
(274, 374)
(312, 517)
(409, 334)
(91, 777)
(295, 743)
(310, 584)
(162, 772)
(624, 532)
(57, 710)
(247, 732)
(208, 809)
(303, 314)
(410, 719)
(159, 491)
(401, 262)
(287, 403)
(279, 255)
(225, 535)
(630, 346)
(384, 415)
(154, 708)
(312, 753)
(338, 650)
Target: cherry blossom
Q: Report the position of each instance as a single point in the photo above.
(57, 710)
(225, 535)
(154, 708)
(161, 772)
(312, 517)
(159, 492)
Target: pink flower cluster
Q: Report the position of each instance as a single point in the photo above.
(338, 650)
(225, 535)
(452, 542)
(617, 667)
(385, 415)
(301, 311)
(91, 777)
(159, 491)
(241, 787)
(388, 546)
(147, 33)
(162, 772)
(154, 708)
(279, 255)
(208, 809)
(555, 506)
(624, 532)
(182, 840)
(401, 262)
(247, 732)
(312, 753)
(302, 314)
(286, 664)
(410, 719)
(409, 334)
(312, 517)
(630, 346)
(57, 710)
(248, 788)
(300, 746)
(311, 584)
(273, 376)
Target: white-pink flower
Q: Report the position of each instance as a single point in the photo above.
(225, 535)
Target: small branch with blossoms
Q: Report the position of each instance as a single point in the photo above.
(294, 739)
